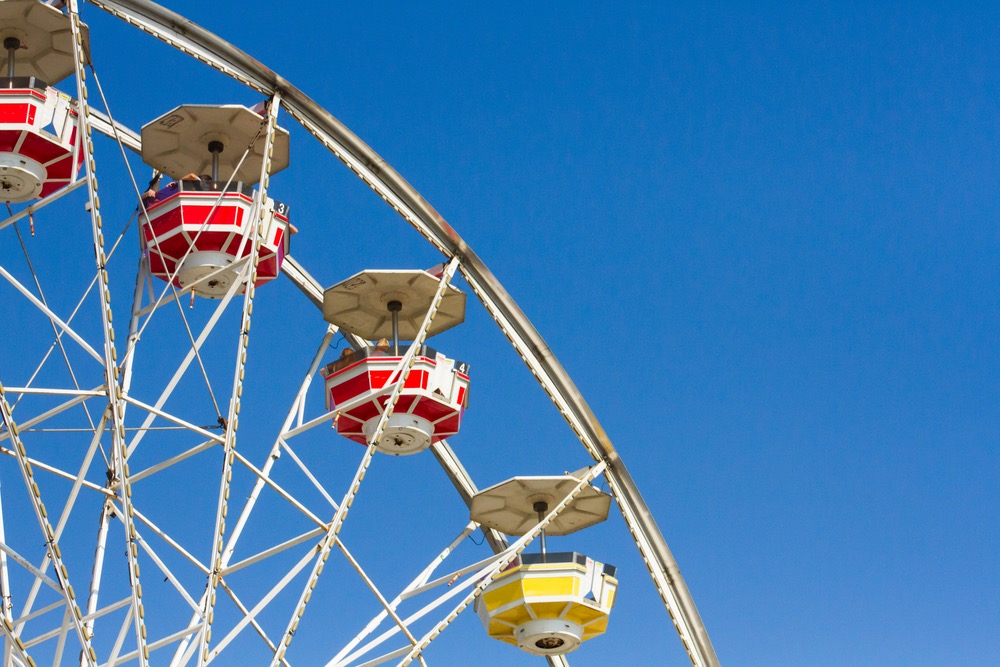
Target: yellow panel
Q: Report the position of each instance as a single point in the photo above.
(498, 630)
(611, 595)
(547, 586)
(596, 628)
(515, 616)
(548, 610)
(503, 595)
(582, 614)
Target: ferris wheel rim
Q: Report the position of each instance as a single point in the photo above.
(417, 211)
(403, 198)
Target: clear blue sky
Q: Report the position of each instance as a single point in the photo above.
(762, 241)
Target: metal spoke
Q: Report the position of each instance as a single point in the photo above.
(55, 329)
(41, 514)
(112, 372)
(232, 422)
(196, 572)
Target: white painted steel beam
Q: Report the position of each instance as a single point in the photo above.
(113, 129)
(398, 193)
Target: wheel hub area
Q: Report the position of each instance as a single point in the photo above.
(403, 434)
(198, 265)
(549, 637)
(21, 178)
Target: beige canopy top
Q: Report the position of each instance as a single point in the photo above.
(510, 507)
(361, 304)
(181, 142)
(44, 40)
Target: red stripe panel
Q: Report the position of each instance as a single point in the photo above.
(416, 380)
(49, 187)
(14, 113)
(379, 378)
(447, 428)
(209, 241)
(405, 402)
(175, 246)
(232, 245)
(432, 410)
(195, 216)
(266, 271)
(39, 148)
(165, 222)
(347, 425)
(364, 412)
(348, 389)
(60, 168)
(9, 139)
(158, 268)
(266, 253)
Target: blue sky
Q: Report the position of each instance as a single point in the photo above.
(762, 241)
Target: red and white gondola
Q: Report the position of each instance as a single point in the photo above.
(197, 229)
(434, 391)
(38, 124)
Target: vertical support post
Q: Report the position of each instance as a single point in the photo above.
(5, 599)
(215, 147)
(394, 308)
(542, 508)
(111, 371)
(232, 422)
(142, 275)
(96, 572)
(12, 44)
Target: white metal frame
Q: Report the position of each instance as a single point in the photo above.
(193, 643)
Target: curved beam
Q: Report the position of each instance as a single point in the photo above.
(398, 193)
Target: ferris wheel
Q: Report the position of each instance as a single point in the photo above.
(171, 494)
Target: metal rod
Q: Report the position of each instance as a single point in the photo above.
(112, 372)
(5, 598)
(257, 230)
(542, 508)
(97, 570)
(215, 147)
(128, 362)
(12, 44)
(394, 308)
